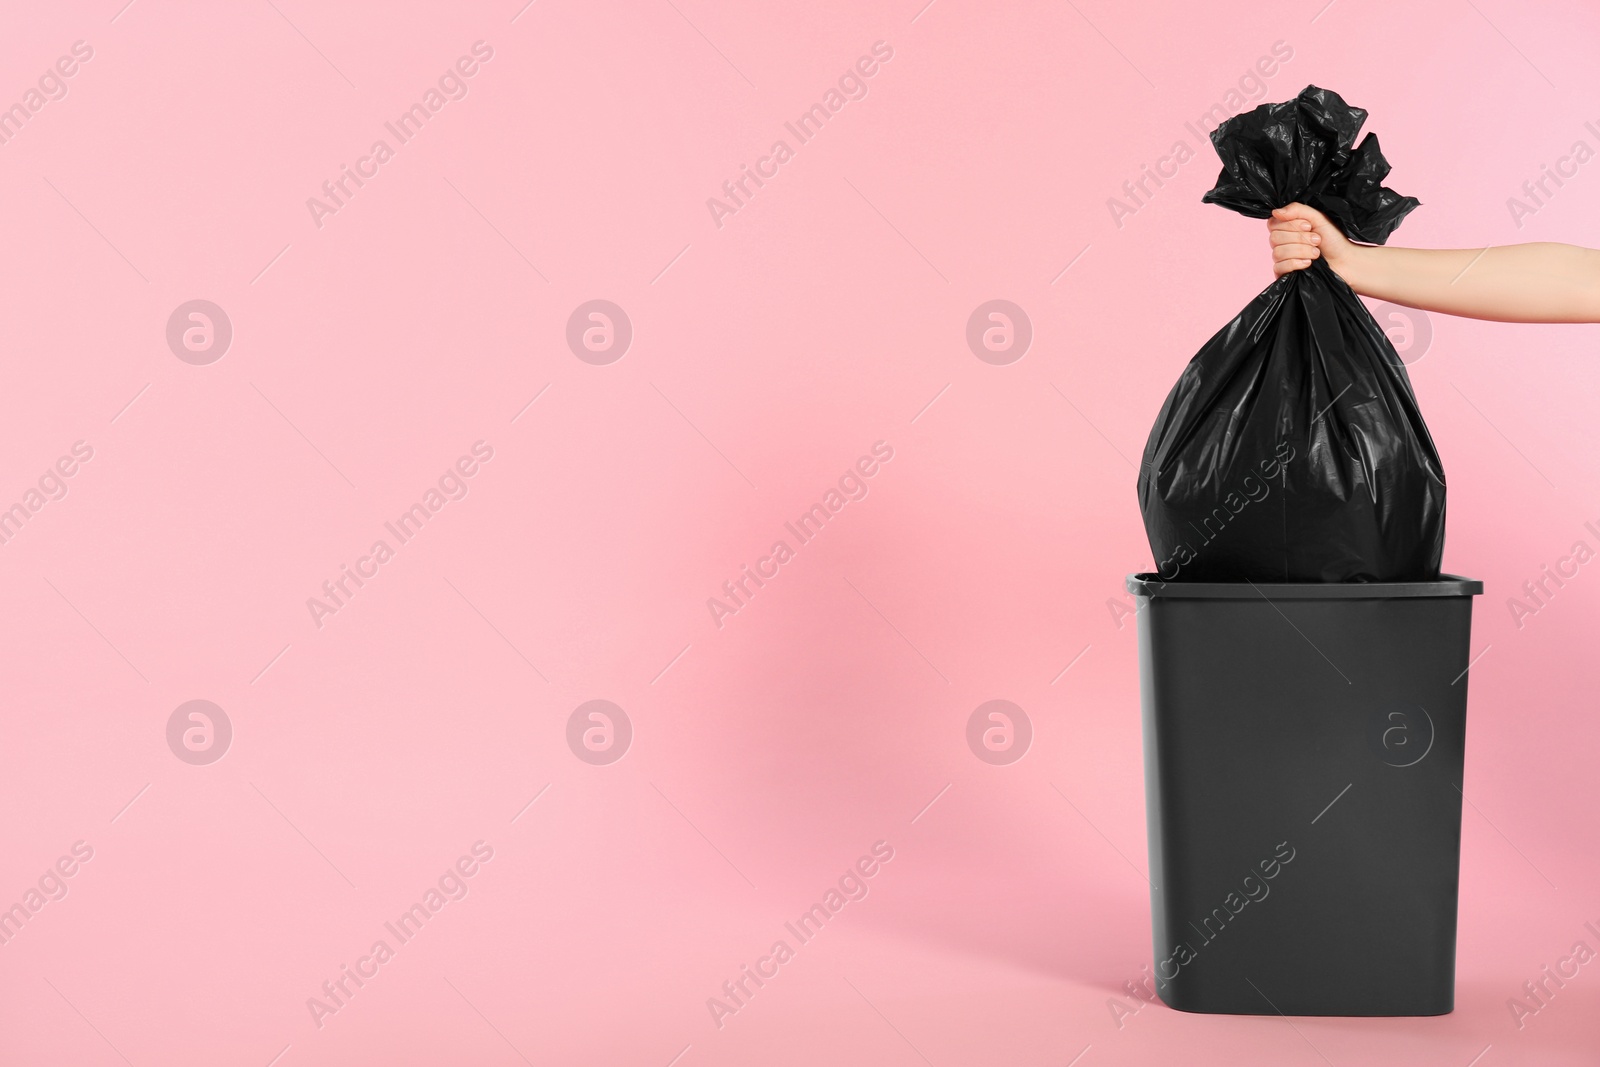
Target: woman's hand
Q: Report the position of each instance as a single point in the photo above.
(1300, 234)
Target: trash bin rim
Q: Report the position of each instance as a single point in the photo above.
(1145, 584)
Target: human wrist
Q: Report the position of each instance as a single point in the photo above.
(1354, 266)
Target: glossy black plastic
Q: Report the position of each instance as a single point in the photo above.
(1304, 746)
(1291, 448)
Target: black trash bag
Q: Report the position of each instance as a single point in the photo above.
(1291, 449)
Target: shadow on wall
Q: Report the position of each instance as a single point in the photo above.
(825, 725)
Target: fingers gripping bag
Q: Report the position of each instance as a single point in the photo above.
(1291, 448)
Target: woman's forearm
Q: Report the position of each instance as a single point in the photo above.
(1541, 282)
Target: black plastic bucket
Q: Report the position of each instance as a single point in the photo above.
(1303, 748)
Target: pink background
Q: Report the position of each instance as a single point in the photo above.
(768, 354)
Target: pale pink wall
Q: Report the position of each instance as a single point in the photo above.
(767, 355)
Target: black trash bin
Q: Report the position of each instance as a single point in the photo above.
(1303, 747)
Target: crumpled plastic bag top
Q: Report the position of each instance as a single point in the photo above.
(1301, 151)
